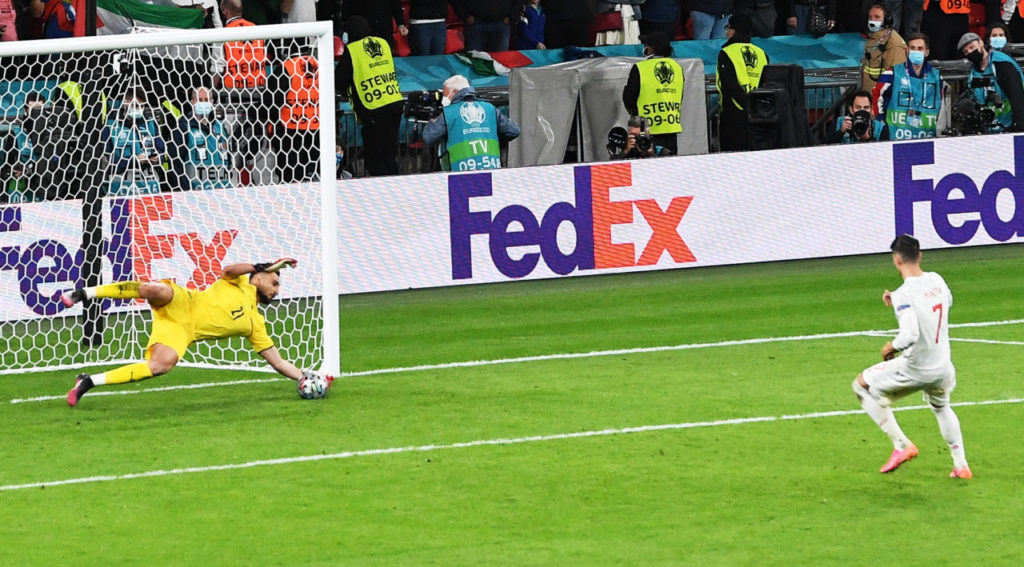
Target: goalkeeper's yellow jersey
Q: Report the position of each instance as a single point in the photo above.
(229, 308)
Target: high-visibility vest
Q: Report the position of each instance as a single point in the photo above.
(373, 73)
(914, 102)
(246, 60)
(661, 94)
(73, 91)
(748, 60)
(472, 142)
(953, 6)
(301, 110)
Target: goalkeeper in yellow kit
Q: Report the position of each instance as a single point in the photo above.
(181, 316)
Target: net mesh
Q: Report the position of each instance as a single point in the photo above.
(157, 163)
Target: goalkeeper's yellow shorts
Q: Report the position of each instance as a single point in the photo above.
(172, 323)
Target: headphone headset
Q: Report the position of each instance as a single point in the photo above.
(887, 19)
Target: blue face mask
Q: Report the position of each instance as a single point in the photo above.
(998, 42)
(203, 108)
(916, 57)
(338, 158)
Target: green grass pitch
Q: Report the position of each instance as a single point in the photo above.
(633, 456)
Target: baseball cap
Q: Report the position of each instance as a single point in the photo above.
(965, 39)
(658, 41)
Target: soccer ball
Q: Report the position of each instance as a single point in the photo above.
(312, 386)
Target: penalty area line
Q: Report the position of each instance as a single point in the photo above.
(470, 444)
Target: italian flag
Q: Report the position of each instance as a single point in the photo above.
(121, 16)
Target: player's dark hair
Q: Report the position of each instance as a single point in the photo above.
(906, 247)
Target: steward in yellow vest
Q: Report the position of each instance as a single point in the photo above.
(366, 74)
(654, 91)
(740, 64)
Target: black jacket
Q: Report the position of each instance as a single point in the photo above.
(428, 9)
(488, 10)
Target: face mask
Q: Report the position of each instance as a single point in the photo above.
(338, 158)
(445, 101)
(916, 57)
(344, 38)
(998, 42)
(975, 58)
(874, 25)
(203, 108)
(135, 112)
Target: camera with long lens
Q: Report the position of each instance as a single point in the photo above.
(860, 122)
(643, 142)
(968, 116)
(424, 105)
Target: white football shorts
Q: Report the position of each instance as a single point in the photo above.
(891, 380)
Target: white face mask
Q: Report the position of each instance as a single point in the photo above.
(445, 101)
(203, 108)
(874, 25)
(136, 112)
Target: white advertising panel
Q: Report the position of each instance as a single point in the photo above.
(183, 237)
(575, 220)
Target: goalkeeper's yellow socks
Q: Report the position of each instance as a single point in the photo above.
(124, 375)
(120, 290)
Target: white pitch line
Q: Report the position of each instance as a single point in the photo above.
(988, 341)
(470, 444)
(148, 390)
(560, 356)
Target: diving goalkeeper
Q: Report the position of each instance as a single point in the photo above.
(182, 316)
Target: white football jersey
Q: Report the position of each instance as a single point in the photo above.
(922, 306)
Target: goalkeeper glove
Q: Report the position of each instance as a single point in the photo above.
(275, 266)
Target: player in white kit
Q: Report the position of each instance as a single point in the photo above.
(923, 363)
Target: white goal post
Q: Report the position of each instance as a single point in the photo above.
(143, 156)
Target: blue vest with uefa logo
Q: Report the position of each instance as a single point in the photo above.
(1004, 114)
(128, 140)
(913, 110)
(472, 136)
(207, 166)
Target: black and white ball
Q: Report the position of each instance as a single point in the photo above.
(312, 385)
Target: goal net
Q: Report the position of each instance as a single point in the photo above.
(165, 155)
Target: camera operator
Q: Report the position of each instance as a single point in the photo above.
(639, 142)
(468, 132)
(909, 96)
(858, 125)
(995, 82)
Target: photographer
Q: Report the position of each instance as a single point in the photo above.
(996, 85)
(638, 141)
(858, 125)
(468, 132)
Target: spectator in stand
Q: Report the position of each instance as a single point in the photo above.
(568, 23)
(906, 15)
(997, 36)
(59, 17)
(762, 13)
(945, 22)
(660, 16)
(530, 32)
(710, 18)
(883, 49)
(1012, 14)
(488, 22)
(261, 12)
(800, 15)
(428, 32)
(8, 21)
(298, 11)
(383, 16)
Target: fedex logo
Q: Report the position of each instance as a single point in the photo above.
(131, 248)
(979, 200)
(592, 215)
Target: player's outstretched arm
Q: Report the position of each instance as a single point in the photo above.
(281, 365)
(234, 270)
